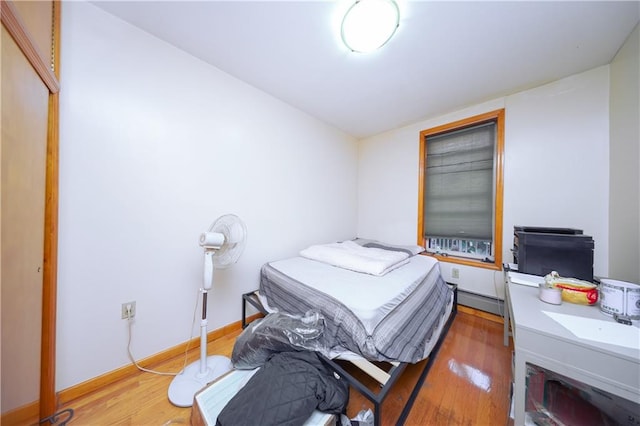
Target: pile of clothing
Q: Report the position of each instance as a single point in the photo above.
(293, 379)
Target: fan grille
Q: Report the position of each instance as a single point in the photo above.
(235, 236)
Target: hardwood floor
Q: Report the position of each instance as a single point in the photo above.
(469, 384)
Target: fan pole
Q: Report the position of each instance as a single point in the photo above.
(203, 334)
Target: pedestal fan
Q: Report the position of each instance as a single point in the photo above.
(223, 244)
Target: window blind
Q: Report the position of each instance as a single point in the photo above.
(459, 183)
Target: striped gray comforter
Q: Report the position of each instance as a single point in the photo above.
(405, 334)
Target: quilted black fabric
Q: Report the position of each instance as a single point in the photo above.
(285, 391)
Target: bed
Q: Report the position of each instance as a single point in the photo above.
(379, 316)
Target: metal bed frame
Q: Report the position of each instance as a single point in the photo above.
(387, 378)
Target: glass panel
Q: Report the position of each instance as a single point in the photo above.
(469, 248)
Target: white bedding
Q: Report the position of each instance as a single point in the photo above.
(370, 297)
(355, 257)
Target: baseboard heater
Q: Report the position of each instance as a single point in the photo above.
(481, 302)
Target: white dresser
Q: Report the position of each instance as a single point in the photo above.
(542, 341)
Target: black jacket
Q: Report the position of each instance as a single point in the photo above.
(286, 391)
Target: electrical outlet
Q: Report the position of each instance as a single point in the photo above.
(128, 310)
(455, 273)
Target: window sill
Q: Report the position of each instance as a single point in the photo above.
(495, 265)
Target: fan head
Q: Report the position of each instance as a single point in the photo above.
(234, 233)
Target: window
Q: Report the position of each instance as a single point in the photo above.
(460, 190)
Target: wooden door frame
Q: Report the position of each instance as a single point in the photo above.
(47, 65)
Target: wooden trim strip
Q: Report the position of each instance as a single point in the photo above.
(421, 240)
(20, 416)
(48, 403)
(481, 314)
(495, 266)
(14, 24)
(48, 400)
(499, 206)
(96, 383)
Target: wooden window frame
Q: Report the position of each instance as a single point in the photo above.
(496, 116)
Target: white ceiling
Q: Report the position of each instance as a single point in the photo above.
(444, 56)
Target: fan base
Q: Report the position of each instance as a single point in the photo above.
(186, 384)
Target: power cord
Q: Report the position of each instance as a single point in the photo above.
(186, 350)
(54, 418)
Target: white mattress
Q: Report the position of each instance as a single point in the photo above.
(370, 297)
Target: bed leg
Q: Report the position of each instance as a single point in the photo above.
(244, 312)
(252, 298)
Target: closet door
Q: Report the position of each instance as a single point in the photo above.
(29, 137)
(25, 105)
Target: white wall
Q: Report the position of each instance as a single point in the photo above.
(556, 171)
(557, 159)
(154, 145)
(624, 228)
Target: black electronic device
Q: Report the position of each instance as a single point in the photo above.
(540, 250)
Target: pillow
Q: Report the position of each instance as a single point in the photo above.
(410, 249)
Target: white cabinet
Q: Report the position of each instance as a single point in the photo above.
(542, 343)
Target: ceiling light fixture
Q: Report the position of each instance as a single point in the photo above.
(369, 24)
